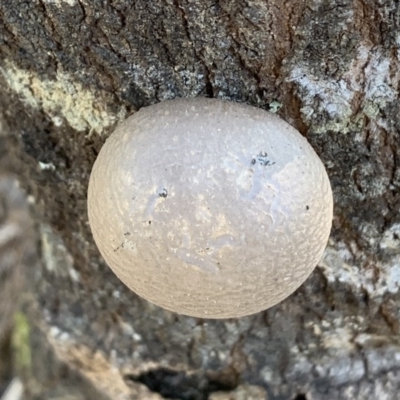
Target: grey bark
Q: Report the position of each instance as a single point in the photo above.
(71, 69)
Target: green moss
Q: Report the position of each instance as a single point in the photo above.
(21, 343)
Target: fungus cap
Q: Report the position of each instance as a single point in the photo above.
(209, 208)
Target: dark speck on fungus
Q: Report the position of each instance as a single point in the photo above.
(163, 193)
(261, 245)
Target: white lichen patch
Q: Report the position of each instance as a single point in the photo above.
(269, 374)
(379, 84)
(398, 46)
(61, 2)
(128, 330)
(338, 333)
(341, 368)
(392, 277)
(340, 339)
(372, 76)
(391, 238)
(57, 259)
(62, 99)
(46, 166)
(60, 335)
(334, 96)
(339, 265)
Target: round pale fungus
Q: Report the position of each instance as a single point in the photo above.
(209, 208)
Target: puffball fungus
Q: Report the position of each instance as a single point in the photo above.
(209, 208)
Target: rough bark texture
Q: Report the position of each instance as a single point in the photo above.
(16, 253)
(71, 69)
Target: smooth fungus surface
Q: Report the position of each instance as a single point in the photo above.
(209, 208)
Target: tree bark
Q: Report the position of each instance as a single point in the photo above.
(71, 69)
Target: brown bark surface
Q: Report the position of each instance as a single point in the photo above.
(71, 69)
